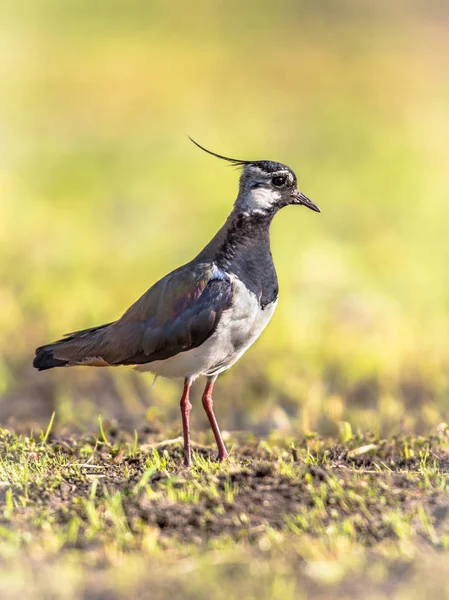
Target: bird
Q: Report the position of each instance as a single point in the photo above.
(199, 319)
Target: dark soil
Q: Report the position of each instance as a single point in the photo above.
(325, 483)
(104, 497)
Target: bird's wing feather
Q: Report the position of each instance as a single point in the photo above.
(177, 314)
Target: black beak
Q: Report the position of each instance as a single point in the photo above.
(300, 198)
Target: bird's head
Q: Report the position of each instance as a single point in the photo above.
(265, 186)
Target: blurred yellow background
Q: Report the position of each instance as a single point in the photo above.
(102, 193)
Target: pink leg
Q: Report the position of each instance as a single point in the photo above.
(208, 405)
(186, 407)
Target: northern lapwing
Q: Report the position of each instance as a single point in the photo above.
(200, 318)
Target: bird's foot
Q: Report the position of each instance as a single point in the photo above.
(222, 455)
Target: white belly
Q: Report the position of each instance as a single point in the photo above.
(238, 329)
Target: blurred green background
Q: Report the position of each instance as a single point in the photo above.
(101, 194)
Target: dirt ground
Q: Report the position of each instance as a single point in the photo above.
(263, 494)
(320, 516)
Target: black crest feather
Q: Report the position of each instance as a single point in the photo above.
(235, 161)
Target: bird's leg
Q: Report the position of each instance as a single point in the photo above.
(186, 407)
(208, 405)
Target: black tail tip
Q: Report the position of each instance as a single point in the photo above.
(44, 360)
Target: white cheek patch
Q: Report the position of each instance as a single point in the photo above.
(261, 199)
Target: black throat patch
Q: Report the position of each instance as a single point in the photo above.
(245, 252)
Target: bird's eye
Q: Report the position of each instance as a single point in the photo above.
(279, 181)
